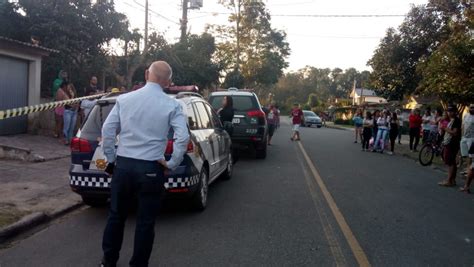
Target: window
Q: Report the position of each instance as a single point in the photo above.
(216, 122)
(92, 128)
(203, 116)
(192, 120)
(241, 103)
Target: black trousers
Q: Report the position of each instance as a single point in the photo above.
(414, 136)
(133, 178)
(366, 135)
(393, 134)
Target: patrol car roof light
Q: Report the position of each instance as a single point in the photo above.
(233, 89)
(179, 89)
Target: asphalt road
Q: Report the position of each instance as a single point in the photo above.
(274, 212)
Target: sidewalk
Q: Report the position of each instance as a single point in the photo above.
(34, 181)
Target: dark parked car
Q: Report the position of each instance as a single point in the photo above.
(250, 124)
(208, 154)
(310, 119)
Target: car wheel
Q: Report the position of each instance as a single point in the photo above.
(199, 200)
(227, 175)
(96, 201)
(261, 153)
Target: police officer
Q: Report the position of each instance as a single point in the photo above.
(143, 119)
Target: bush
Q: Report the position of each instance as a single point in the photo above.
(344, 122)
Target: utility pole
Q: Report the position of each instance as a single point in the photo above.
(146, 24)
(184, 21)
(238, 35)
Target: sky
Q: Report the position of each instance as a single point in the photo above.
(315, 41)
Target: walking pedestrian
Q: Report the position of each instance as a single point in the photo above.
(467, 138)
(452, 138)
(143, 118)
(382, 132)
(297, 117)
(358, 123)
(226, 113)
(414, 121)
(271, 122)
(426, 125)
(393, 133)
(368, 124)
(400, 127)
(70, 114)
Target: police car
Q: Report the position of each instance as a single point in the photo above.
(250, 124)
(208, 156)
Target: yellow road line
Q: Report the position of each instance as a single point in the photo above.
(328, 230)
(357, 250)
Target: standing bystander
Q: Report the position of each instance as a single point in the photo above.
(415, 124)
(393, 132)
(426, 126)
(138, 165)
(368, 124)
(272, 116)
(452, 138)
(467, 138)
(358, 123)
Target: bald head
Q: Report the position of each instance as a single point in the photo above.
(159, 72)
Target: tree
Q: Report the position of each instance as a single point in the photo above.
(77, 28)
(252, 48)
(448, 72)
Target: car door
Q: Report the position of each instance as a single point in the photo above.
(222, 138)
(209, 141)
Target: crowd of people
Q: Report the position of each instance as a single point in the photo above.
(379, 130)
(68, 116)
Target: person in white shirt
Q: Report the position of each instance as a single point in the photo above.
(426, 126)
(467, 138)
(382, 132)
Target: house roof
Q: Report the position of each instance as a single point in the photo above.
(366, 92)
(32, 47)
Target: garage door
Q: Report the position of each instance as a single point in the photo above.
(13, 93)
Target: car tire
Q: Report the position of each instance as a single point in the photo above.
(261, 153)
(95, 201)
(227, 174)
(199, 200)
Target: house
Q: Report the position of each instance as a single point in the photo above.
(20, 81)
(360, 96)
(416, 101)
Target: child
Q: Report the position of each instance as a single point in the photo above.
(297, 118)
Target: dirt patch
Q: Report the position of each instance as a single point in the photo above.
(9, 214)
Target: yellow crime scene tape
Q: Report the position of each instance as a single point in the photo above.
(15, 112)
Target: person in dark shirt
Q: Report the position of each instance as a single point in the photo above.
(93, 87)
(226, 113)
(451, 143)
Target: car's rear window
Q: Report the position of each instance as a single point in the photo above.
(92, 127)
(241, 103)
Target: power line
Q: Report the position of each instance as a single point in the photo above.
(154, 12)
(318, 15)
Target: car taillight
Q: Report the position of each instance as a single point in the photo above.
(256, 113)
(169, 147)
(80, 145)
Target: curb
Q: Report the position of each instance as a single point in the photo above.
(32, 220)
(338, 127)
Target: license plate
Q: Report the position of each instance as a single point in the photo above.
(251, 131)
(236, 120)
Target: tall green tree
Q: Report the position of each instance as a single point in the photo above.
(251, 46)
(77, 28)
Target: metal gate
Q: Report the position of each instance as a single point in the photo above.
(13, 93)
